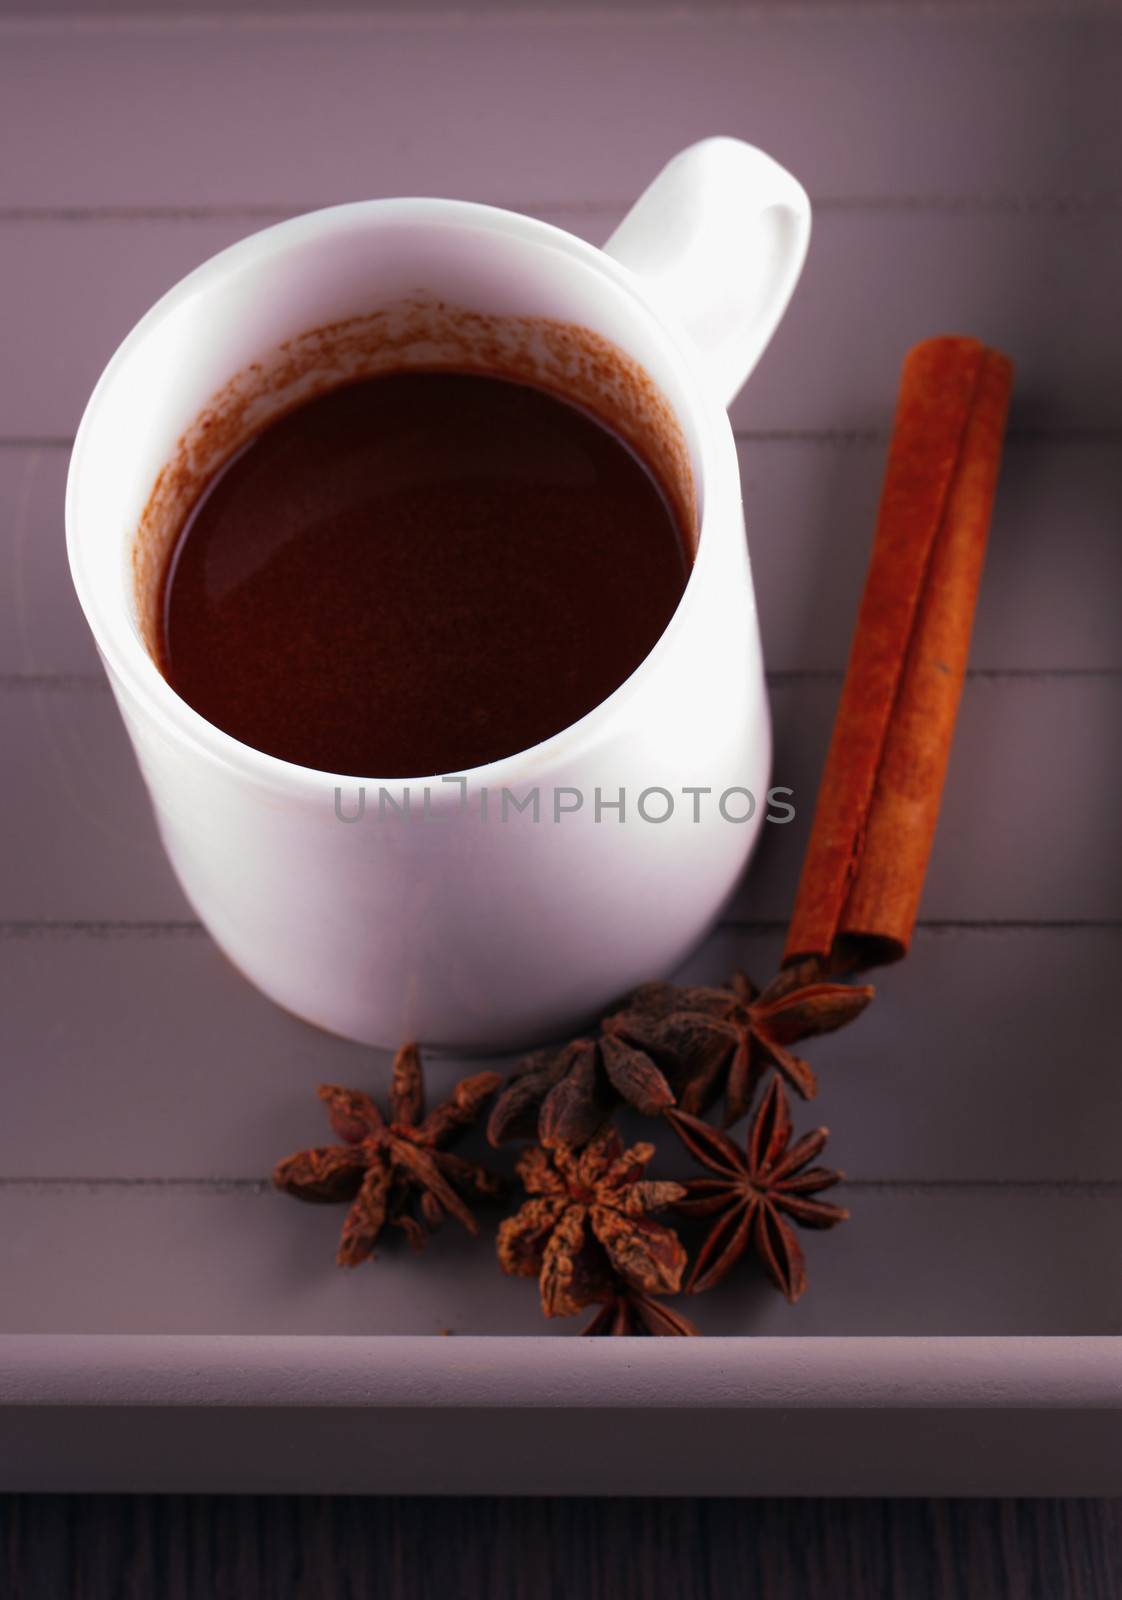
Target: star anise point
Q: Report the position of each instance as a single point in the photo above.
(756, 1195)
(586, 1225)
(629, 1312)
(383, 1166)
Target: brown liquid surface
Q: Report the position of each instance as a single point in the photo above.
(418, 573)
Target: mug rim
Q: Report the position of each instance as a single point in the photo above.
(125, 654)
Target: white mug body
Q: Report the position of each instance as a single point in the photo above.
(452, 908)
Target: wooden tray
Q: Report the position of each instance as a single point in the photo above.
(166, 1321)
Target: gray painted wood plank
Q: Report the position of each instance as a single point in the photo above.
(41, 625)
(557, 107)
(832, 367)
(42, 629)
(1053, 577)
(79, 830)
(166, 1260)
(1028, 825)
(876, 283)
(1049, 600)
(1028, 829)
(172, 1066)
(142, 1054)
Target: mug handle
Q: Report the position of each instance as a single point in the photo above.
(718, 240)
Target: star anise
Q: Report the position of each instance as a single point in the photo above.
(630, 1312)
(754, 1190)
(671, 1045)
(704, 1039)
(383, 1166)
(563, 1095)
(586, 1225)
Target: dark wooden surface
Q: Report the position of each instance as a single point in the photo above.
(176, 1548)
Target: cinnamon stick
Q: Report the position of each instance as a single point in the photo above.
(881, 787)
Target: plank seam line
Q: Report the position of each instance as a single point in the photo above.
(169, 928)
(101, 927)
(1090, 1188)
(96, 683)
(941, 925)
(837, 438)
(847, 437)
(1022, 205)
(788, 678)
(668, 14)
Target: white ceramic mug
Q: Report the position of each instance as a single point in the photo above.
(467, 922)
